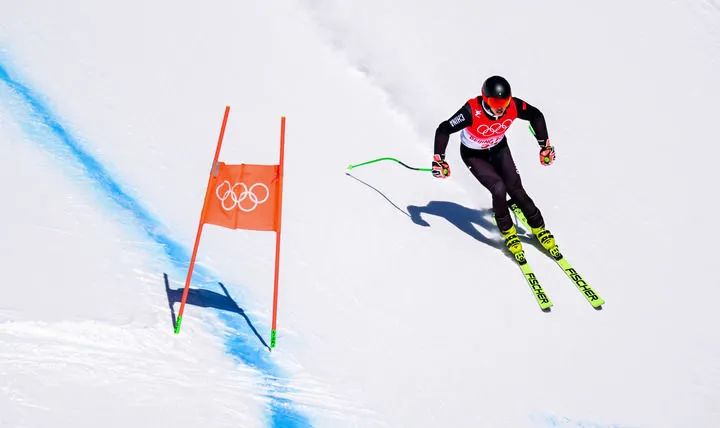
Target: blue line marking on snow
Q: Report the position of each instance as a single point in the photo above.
(47, 130)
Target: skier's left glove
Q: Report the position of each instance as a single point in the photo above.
(440, 168)
(547, 155)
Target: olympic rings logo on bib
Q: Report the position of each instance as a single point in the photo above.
(494, 129)
(227, 192)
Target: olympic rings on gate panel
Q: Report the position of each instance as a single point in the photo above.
(225, 191)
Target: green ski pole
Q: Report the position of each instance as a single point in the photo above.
(351, 166)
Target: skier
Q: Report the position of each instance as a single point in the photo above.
(483, 121)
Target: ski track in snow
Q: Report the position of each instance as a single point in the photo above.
(397, 95)
(38, 121)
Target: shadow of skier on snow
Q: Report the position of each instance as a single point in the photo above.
(463, 218)
(208, 299)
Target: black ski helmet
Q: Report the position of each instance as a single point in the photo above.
(496, 87)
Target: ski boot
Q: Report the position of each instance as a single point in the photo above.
(513, 244)
(547, 240)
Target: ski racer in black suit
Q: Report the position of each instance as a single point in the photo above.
(483, 122)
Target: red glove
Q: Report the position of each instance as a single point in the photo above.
(440, 168)
(547, 155)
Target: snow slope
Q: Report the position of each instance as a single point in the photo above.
(397, 305)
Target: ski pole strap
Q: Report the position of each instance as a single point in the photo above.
(351, 166)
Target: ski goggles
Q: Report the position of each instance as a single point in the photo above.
(497, 103)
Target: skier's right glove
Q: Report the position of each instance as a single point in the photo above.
(547, 155)
(440, 168)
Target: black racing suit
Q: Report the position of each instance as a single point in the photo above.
(494, 167)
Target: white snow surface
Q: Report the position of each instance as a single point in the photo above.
(384, 320)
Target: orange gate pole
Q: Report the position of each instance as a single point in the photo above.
(273, 334)
(200, 226)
